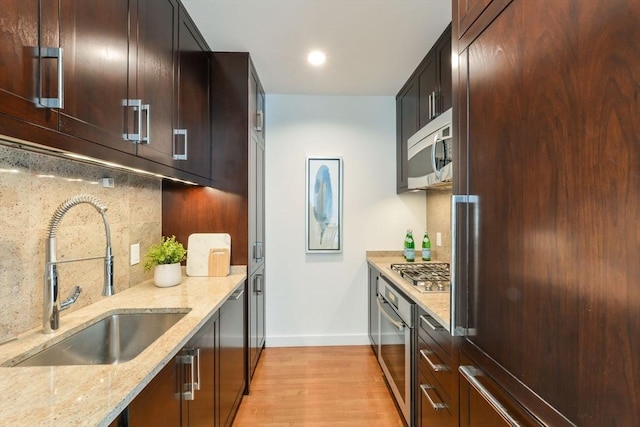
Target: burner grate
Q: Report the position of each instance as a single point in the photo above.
(426, 277)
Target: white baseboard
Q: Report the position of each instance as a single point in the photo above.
(316, 340)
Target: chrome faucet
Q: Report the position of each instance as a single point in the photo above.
(51, 306)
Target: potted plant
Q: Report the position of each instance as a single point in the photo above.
(166, 258)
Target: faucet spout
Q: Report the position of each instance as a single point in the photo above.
(51, 305)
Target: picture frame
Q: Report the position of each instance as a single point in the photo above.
(324, 176)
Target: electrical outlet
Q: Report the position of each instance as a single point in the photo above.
(135, 253)
(438, 239)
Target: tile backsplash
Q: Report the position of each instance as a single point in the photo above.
(32, 186)
(439, 221)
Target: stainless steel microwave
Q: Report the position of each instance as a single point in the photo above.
(429, 154)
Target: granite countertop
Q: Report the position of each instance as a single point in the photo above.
(437, 304)
(95, 395)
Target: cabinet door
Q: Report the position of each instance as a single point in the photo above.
(157, 61)
(231, 355)
(201, 410)
(546, 312)
(444, 100)
(256, 105)
(468, 12)
(21, 76)
(192, 138)
(428, 89)
(407, 124)
(373, 309)
(256, 318)
(94, 37)
(157, 405)
(256, 203)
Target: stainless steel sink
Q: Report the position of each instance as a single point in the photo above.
(115, 339)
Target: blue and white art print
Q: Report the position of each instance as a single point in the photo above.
(324, 205)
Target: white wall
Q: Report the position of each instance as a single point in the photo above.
(321, 299)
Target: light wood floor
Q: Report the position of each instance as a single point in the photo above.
(318, 386)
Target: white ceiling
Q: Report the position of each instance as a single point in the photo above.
(372, 46)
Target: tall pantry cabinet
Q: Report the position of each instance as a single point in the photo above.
(234, 203)
(546, 208)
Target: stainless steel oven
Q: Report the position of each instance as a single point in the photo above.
(395, 346)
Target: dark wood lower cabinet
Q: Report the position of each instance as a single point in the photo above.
(231, 356)
(184, 392)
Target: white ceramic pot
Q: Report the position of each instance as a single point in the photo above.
(167, 275)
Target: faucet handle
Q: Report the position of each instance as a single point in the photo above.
(73, 297)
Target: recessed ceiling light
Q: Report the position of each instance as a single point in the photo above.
(316, 58)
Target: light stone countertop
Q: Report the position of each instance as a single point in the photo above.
(437, 304)
(95, 395)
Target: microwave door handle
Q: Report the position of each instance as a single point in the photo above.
(433, 156)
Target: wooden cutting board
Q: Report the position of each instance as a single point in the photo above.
(208, 254)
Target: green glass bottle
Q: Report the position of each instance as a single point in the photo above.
(409, 247)
(426, 247)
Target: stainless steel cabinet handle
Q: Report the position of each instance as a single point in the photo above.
(257, 284)
(425, 390)
(236, 295)
(258, 253)
(145, 139)
(52, 52)
(259, 121)
(183, 132)
(469, 373)
(435, 327)
(435, 103)
(398, 325)
(188, 388)
(136, 104)
(466, 329)
(430, 112)
(436, 367)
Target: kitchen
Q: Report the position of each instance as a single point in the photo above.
(304, 277)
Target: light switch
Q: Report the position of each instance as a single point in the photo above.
(135, 253)
(438, 239)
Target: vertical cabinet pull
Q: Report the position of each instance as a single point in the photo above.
(257, 284)
(258, 252)
(435, 405)
(430, 112)
(190, 359)
(146, 139)
(178, 132)
(52, 52)
(138, 108)
(259, 121)
(434, 98)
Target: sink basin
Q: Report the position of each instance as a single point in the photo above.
(115, 339)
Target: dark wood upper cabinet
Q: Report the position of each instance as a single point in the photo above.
(23, 76)
(549, 139)
(192, 137)
(407, 118)
(94, 37)
(426, 95)
(155, 78)
(124, 81)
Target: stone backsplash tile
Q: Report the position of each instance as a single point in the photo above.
(439, 220)
(32, 186)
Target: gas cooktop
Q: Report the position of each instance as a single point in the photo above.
(426, 276)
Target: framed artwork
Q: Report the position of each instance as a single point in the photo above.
(324, 205)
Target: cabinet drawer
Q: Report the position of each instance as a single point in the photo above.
(435, 407)
(432, 328)
(439, 366)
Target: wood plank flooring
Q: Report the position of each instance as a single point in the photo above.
(318, 386)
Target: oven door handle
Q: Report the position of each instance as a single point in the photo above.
(397, 324)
